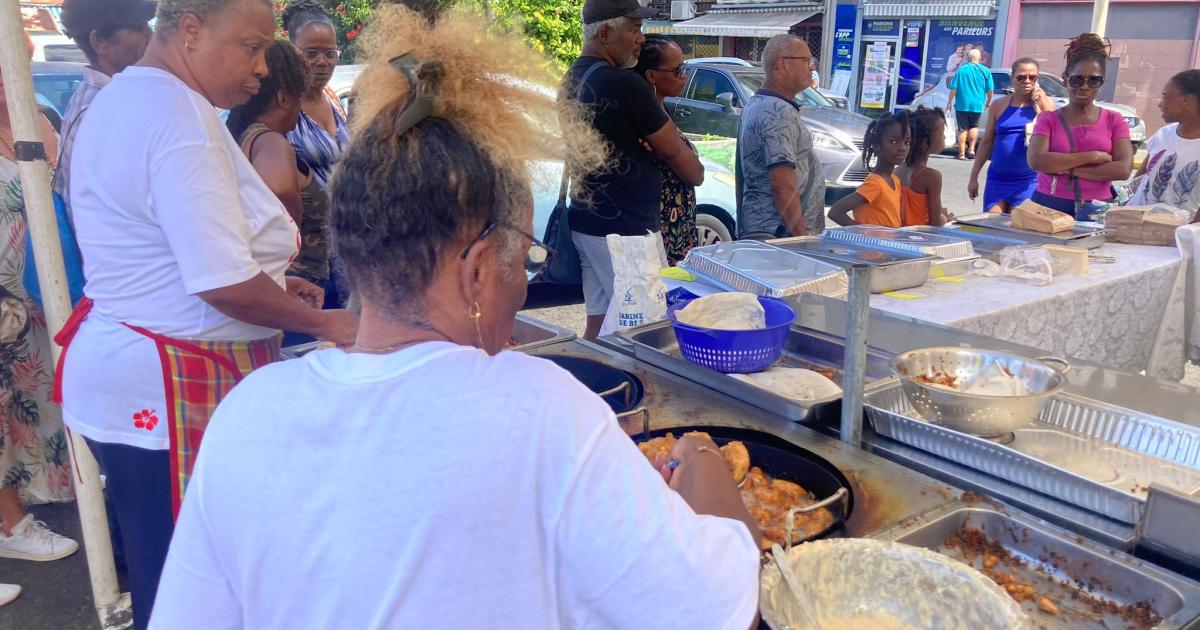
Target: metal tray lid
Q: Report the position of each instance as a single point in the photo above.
(848, 252)
(983, 243)
(766, 270)
(931, 244)
(997, 221)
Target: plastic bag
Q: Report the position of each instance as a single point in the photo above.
(1031, 265)
(639, 295)
(1146, 225)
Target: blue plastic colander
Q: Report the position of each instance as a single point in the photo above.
(735, 351)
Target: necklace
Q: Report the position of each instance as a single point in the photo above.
(383, 350)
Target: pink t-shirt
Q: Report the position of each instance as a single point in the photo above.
(1098, 137)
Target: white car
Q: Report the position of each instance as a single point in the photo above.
(1053, 86)
(56, 47)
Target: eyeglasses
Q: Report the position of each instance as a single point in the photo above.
(316, 54)
(1077, 81)
(677, 70)
(1026, 78)
(808, 59)
(535, 258)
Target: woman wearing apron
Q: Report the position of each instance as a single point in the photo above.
(185, 250)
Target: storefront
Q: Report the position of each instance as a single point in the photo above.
(743, 28)
(903, 48)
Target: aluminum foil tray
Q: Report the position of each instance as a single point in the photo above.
(527, 334)
(1092, 586)
(891, 269)
(766, 270)
(1083, 452)
(1001, 225)
(896, 238)
(986, 245)
(656, 344)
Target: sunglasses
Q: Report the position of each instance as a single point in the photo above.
(1026, 78)
(315, 54)
(535, 258)
(677, 70)
(1077, 81)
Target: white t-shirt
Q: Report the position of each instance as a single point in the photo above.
(1172, 171)
(165, 206)
(438, 487)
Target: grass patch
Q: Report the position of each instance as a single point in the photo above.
(722, 155)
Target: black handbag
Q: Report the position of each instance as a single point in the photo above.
(1080, 213)
(563, 267)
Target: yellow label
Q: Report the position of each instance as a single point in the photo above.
(902, 296)
(954, 279)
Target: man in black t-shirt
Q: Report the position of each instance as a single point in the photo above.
(624, 199)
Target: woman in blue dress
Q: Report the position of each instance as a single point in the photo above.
(1010, 180)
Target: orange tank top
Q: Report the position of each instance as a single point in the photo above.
(916, 207)
(883, 202)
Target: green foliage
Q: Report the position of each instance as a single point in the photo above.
(552, 27)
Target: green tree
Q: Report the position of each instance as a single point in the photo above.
(552, 27)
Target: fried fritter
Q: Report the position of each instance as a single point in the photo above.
(659, 447)
(738, 458)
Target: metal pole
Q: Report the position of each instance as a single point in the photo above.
(39, 211)
(858, 312)
(1100, 17)
(828, 30)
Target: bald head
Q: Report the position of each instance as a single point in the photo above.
(974, 55)
(788, 63)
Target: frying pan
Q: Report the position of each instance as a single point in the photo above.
(620, 389)
(782, 460)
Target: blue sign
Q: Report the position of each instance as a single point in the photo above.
(881, 28)
(950, 41)
(843, 38)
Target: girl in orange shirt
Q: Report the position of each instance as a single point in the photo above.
(922, 192)
(877, 201)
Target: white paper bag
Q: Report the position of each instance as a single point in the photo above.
(639, 294)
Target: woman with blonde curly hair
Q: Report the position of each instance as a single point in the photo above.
(428, 477)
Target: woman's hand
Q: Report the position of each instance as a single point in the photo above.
(312, 294)
(338, 326)
(973, 188)
(1099, 157)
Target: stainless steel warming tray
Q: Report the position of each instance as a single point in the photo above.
(528, 334)
(986, 245)
(952, 256)
(1001, 225)
(655, 344)
(891, 269)
(766, 270)
(1080, 451)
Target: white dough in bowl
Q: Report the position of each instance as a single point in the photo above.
(794, 383)
(724, 311)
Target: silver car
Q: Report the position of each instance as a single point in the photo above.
(1053, 87)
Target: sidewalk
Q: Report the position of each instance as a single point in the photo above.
(54, 595)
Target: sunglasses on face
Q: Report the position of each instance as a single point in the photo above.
(313, 55)
(1026, 78)
(1077, 81)
(535, 257)
(677, 70)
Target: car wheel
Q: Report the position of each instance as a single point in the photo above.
(710, 230)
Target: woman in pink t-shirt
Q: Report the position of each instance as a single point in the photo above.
(1080, 149)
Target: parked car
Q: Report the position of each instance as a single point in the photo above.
(712, 103)
(56, 47)
(53, 84)
(936, 96)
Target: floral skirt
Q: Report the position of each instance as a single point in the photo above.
(678, 218)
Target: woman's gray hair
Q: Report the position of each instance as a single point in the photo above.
(592, 31)
(170, 12)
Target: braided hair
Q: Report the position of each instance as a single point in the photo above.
(1188, 82)
(652, 53)
(1087, 47)
(301, 13)
(287, 74)
(873, 138)
(922, 124)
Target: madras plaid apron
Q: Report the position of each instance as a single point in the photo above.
(197, 375)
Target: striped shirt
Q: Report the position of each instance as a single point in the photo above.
(93, 82)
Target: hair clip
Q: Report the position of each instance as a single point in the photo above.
(422, 104)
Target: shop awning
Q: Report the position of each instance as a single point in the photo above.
(661, 27)
(930, 8)
(745, 23)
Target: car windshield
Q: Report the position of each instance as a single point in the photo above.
(64, 52)
(752, 81)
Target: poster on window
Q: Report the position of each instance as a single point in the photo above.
(876, 70)
(950, 41)
(843, 44)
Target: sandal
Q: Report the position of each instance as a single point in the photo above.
(970, 155)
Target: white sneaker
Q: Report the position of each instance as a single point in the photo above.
(32, 540)
(8, 592)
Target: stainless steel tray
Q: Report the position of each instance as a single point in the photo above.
(528, 333)
(986, 245)
(891, 270)
(895, 238)
(1079, 576)
(656, 344)
(960, 266)
(1082, 452)
(766, 270)
(1001, 225)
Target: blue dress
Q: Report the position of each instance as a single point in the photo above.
(317, 147)
(1009, 178)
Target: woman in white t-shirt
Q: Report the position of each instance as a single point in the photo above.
(425, 477)
(1171, 171)
(184, 252)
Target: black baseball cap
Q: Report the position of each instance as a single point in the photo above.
(81, 17)
(600, 10)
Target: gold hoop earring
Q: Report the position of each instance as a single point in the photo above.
(187, 45)
(476, 314)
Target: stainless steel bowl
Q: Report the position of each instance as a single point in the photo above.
(977, 414)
